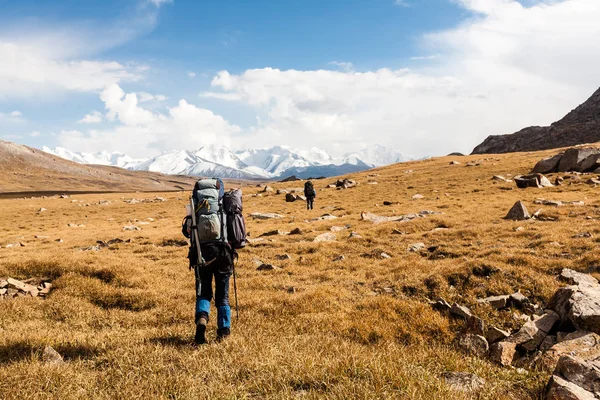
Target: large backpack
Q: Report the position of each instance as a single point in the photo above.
(236, 227)
(210, 217)
(309, 190)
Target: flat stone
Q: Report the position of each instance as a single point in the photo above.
(440, 305)
(476, 326)
(418, 196)
(3, 283)
(577, 278)
(497, 302)
(518, 299)
(15, 284)
(339, 258)
(494, 335)
(578, 304)
(548, 342)
(265, 216)
(463, 382)
(296, 231)
(276, 232)
(283, 257)
(460, 311)
(561, 389)
(532, 333)
(338, 228)
(325, 237)
(131, 228)
(354, 235)
(581, 344)
(503, 353)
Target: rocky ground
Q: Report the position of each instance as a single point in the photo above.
(404, 282)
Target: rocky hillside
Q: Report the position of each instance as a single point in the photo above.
(25, 169)
(582, 125)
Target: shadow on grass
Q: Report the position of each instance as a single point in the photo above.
(22, 350)
(173, 341)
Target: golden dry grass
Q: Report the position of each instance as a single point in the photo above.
(360, 328)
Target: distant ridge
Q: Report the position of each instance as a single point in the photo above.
(582, 125)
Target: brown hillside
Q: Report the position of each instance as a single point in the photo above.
(25, 169)
(582, 125)
(360, 328)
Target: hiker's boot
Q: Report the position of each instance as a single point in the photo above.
(200, 337)
(223, 333)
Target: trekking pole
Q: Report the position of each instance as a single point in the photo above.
(197, 241)
(237, 313)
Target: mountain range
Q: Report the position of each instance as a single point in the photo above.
(581, 125)
(258, 164)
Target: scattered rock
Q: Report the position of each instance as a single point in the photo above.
(418, 196)
(518, 212)
(455, 163)
(532, 180)
(460, 311)
(51, 356)
(265, 216)
(579, 305)
(463, 382)
(296, 231)
(581, 344)
(41, 210)
(338, 228)
(494, 335)
(518, 299)
(325, 237)
(584, 374)
(290, 198)
(474, 345)
(561, 389)
(354, 235)
(283, 257)
(497, 302)
(574, 158)
(531, 335)
(276, 232)
(131, 228)
(440, 305)
(500, 178)
(267, 267)
(503, 353)
(476, 326)
(339, 258)
(377, 219)
(416, 247)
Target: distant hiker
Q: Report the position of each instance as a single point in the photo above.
(310, 194)
(215, 222)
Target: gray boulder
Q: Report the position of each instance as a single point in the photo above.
(585, 374)
(518, 212)
(475, 345)
(463, 382)
(561, 389)
(547, 165)
(572, 158)
(590, 163)
(579, 305)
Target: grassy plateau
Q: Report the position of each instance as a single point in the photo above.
(122, 316)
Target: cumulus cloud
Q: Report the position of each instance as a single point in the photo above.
(344, 65)
(13, 116)
(25, 71)
(141, 132)
(191, 74)
(94, 118)
(159, 3)
(507, 67)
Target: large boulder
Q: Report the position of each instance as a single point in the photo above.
(547, 165)
(290, 198)
(585, 374)
(561, 389)
(579, 305)
(572, 158)
(532, 180)
(590, 163)
(581, 344)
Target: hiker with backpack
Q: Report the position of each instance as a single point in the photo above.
(310, 194)
(216, 229)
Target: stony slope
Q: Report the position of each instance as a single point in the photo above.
(25, 169)
(582, 125)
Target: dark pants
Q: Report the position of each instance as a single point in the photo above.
(309, 203)
(221, 296)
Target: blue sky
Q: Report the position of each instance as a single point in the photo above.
(425, 77)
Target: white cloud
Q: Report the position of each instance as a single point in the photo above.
(94, 118)
(403, 3)
(13, 116)
(16, 114)
(25, 71)
(191, 74)
(221, 96)
(35, 134)
(146, 97)
(345, 66)
(158, 3)
(509, 67)
(424, 58)
(141, 132)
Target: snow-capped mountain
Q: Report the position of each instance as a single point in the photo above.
(100, 158)
(219, 161)
(375, 156)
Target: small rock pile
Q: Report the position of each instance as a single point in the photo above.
(345, 183)
(12, 288)
(532, 180)
(564, 336)
(574, 159)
